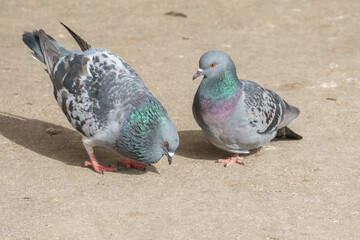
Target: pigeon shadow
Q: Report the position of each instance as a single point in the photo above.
(276, 139)
(194, 145)
(62, 144)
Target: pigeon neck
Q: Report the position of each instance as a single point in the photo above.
(225, 87)
(135, 134)
(216, 98)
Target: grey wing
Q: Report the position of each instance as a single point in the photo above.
(267, 111)
(90, 87)
(290, 114)
(113, 85)
(68, 78)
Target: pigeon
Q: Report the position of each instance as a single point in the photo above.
(237, 115)
(106, 101)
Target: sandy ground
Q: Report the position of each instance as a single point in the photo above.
(309, 189)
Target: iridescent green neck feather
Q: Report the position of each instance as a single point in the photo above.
(226, 87)
(138, 131)
(146, 115)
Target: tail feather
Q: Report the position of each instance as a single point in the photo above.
(81, 42)
(50, 52)
(31, 39)
(286, 132)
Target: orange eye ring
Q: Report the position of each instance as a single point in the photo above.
(212, 65)
(166, 144)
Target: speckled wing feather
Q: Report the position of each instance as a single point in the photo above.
(96, 88)
(267, 111)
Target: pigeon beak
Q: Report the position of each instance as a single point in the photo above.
(169, 156)
(198, 73)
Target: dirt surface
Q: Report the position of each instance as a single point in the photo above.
(309, 189)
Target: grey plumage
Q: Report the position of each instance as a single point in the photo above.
(33, 42)
(106, 101)
(237, 115)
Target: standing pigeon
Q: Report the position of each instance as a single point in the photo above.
(106, 101)
(237, 115)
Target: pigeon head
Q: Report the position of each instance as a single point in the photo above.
(166, 140)
(214, 64)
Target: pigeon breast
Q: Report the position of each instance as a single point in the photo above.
(215, 100)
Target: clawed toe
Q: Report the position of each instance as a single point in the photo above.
(228, 161)
(99, 168)
(129, 163)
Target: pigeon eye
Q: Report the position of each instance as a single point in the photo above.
(166, 144)
(212, 65)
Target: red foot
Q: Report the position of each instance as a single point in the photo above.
(97, 167)
(129, 163)
(228, 161)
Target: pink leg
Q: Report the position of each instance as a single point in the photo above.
(228, 161)
(97, 167)
(129, 163)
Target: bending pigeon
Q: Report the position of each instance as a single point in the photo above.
(107, 102)
(237, 115)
